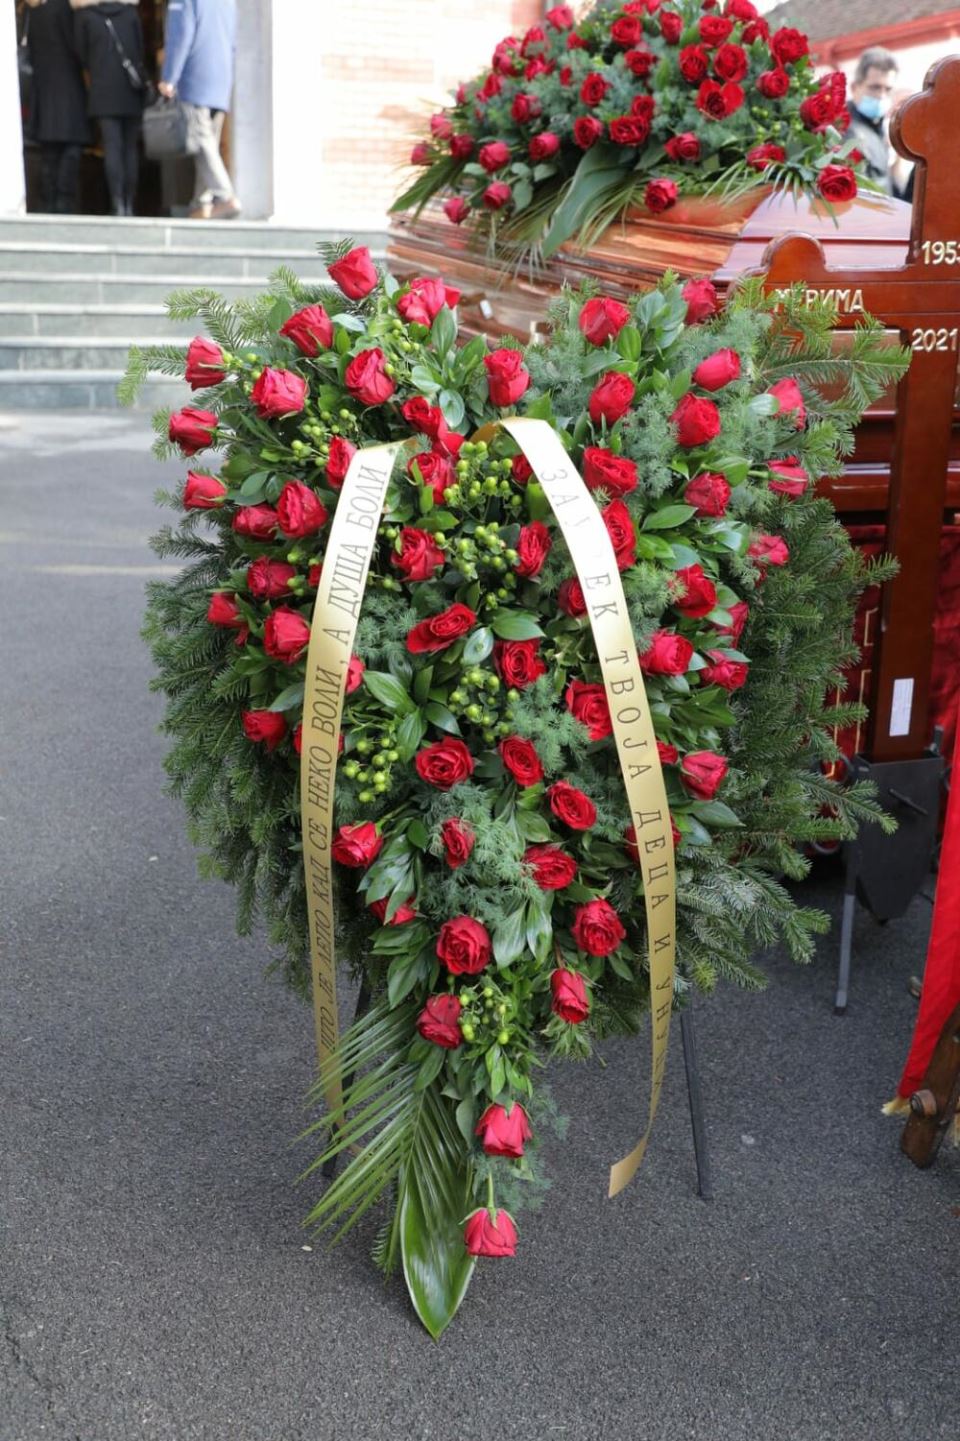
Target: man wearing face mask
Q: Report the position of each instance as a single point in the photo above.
(873, 82)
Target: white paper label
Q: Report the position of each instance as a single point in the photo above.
(901, 708)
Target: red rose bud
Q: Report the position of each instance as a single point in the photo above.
(773, 84)
(571, 806)
(714, 29)
(507, 379)
(422, 303)
(626, 31)
(401, 916)
(456, 209)
(491, 86)
(518, 662)
(485, 1237)
(593, 89)
(444, 764)
(699, 594)
(269, 579)
(299, 512)
(768, 550)
(257, 522)
(521, 469)
(791, 478)
(205, 365)
(671, 26)
(587, 131)
(544, 146)
(683, 147)
(660, 195)
(571, 1001)
(560, 17)
(602, 319)
(278, 392)
(533, 546)
(461, 146)
(438, 1021)
(740, 9)
(570, 598)
(421, 154)
(440, 128)
(223, 610)
(355, 669)
(717, 370)
(497, 195)
(463, 946)
(191, 429)
(357, 846)
(597, 929)
(730, 63)
(728, 674)
(285, 635)
(203, 492)
(439, 631)
(702, 773)
(458, 841)
(697, 420)
(419, 556)
(524, 108)
(366, 377)
(588, 704)
(494, 156)
(789, 45)
(338, 462)
(503, 1133)
(629, 130)
(313, 580)
(264, 727)
(787, 392)
(521, 760)
(694, 64)
(611, 398)
(763, 155)
(739, 614)
(552, 868)
(756, 30)
(709, 492)
(310, 329)
(716, 102)
(619, 524)
(837, 183)
(640, 62)
(702, 300)
(668, 755)
(356, 274)
(667, 654)
(436, 470)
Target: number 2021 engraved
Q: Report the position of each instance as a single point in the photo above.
(941, 339)
(940, 252)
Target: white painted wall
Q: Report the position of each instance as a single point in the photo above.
(13, 196)
(252, 119)
(300, 31)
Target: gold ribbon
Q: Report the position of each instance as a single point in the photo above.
(339, 596)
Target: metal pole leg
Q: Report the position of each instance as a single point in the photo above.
(695, 1097)
(846, 932)
(329, 1168)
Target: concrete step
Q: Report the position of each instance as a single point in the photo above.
(71, 288)
(61, 353)
(150, 233)
(24, 258)
(127, 322)
(81, 390)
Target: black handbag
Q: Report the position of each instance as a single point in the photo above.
(139, 80)
(167, 131)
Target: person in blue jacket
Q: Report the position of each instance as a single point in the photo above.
(198, 69)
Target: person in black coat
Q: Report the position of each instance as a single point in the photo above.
(58, 113)
(108, 33)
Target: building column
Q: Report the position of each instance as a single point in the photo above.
(252, 119)
(13, 189)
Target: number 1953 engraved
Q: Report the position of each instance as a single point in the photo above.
(940, 252)
(941, 339)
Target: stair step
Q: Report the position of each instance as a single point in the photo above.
(81, 390)
(43, 352)
(103, 260)
(127, 322)
(121, 289)
(148, 232)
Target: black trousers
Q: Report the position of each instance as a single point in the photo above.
(121, 159)
(59, 176)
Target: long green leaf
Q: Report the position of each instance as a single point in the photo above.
(600, 172)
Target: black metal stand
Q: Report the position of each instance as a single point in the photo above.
(695, 1097)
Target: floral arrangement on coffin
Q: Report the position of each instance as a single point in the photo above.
(488, 880)
(640, 104)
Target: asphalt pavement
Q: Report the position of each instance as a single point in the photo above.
(155, 1281)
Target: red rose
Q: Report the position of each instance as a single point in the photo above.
(424, 300)
(437, 1022)
(714, 30)
(497, 195)
(570, 598)
(739, 613)
(507, 379)
(456, 209)
(792, 480)
(597, 929)
(421, 154)
(717, 370)
(773, 84)
(266, 727)
(439, 631)
(257, 522)
(768, 550)
(355, 670)
(697, 421)
(463, 946)
(442, 129)
(837, 183)
(660, 195)
(533, 546)
(766, 154)
(503, 1132)
(667, 654)
(401, 916)
(566, 75)
(192, 429)
(285, 635)
(667, 755)
(593, 89)
(788, 393)
(299, 512)
(552, 868)
(483, 1236)
(699, 594)
(419, 556)
(643, 106)
(702, 300)
(611, 398)
(587, 130)
(356, 273)
(544, 146)
(367, 379)
(740, 9)
(278, 392)
(521, 760)
(357, 846)
(683, 147)
(626, 31)
(602, 470)
(202, 492)
(560, 17)
(268, 579)
(730, 62)
(571, 806)
(629, 129)
(788, 45)
(755, 30)
(461, 146)
(818, 109)
(205, 364)
(313, 580)
(458, 842)
(619, 524)
(494, 156)
(694, 63)
(718, 101)
(640, 62)
(436, 470)
(521, 469)
(702, 773)
(726, 673)
(444, 764)
(571, 1001)
(524, 108)
(504, 57)
(671, 26)
(310, 329)
(588, 704)
(223, 610)
(428, 419)
(602, 319)
(709, 492)
(518, 662)
(338, 462)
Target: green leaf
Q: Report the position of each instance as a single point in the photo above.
(349, 322)
(715, 813)
(422, 682)
(466, 1116)
(388, 691)
(669, 517)
(253, 489)
(630, 343)
(430, 1067)
(764, 405)
(425, 380)
(410, 732)
(514, 625)
(508, 937)
(522, 195)
(418, 835)
(539, 930)
(451, 403)
(442, 718)
(427, 500)
(443, 332)
(290, 698)
(478, 646)
(599, 173)
(404, 973)
(435, 1198)
(532, 826)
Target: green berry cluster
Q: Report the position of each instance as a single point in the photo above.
(378, 755)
